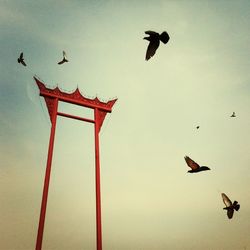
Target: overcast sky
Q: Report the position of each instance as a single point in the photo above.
(149, 201)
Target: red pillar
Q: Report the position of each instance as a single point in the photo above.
(47, 177)
(97, 183)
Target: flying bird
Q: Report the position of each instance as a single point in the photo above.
(195, 167)
(230, 207)
(21, 59)
(64, 58)
(154, 39)
(197, 127)
(233, 115)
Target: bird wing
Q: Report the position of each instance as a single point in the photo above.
(237, 207)
(21, 56)
(230, 213)
(226, 200)
(64, 54)
(164, 37)
(192, 164)
(149, 32)
(152, 47)
(61, 62)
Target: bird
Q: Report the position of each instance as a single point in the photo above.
(154, 39)
(197, 127)
(233, 115)
(64, 58)
(195, 167)
(230, 207)
(21, 59)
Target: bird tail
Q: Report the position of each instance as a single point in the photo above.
(164, 37)
(236, 205)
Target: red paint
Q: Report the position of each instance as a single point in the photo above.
(74, 98)
(75, 117)
(52, 97)
(97, 183)
(47, 178)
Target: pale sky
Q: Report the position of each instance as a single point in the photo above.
(149, 201)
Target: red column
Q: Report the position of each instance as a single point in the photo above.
(47, 178)
(97, 183)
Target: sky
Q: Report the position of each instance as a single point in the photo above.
(149, 201)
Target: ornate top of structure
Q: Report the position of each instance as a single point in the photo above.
(75, 98)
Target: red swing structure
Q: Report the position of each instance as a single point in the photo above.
(52, 98)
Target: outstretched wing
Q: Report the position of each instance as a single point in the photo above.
(164, 37)
(21, 56)
(152, 47)
(192, 164)
(230, 213)
(226, 200)
(149, 32)
(61, 62)
(236, 205)
(65, 57)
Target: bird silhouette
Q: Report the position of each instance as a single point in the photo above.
(64, 58)
(154, 39)
(233, 115)
(195, 167)
(21, 59)
(197, 127)
(230, 207)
